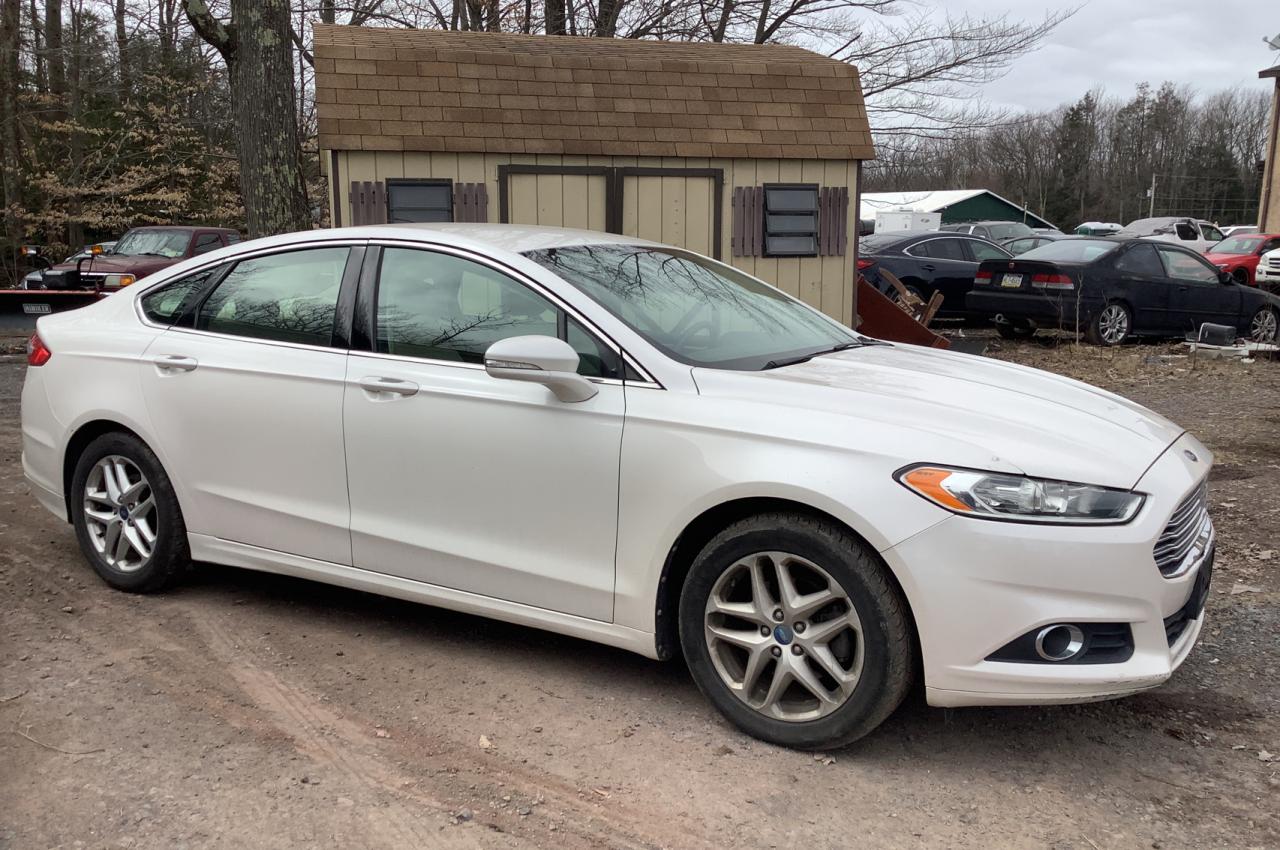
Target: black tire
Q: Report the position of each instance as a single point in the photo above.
(170, 555)
(1015, 330)
(1260, 330)
(1241, 276)
(1097, 334)
(888, 643)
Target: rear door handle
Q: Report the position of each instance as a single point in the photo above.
(388, 385)
(175, 363)
(928, 267)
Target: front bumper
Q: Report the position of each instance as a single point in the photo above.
(976, 585)
(1266, 274)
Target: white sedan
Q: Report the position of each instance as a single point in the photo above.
(632, 444)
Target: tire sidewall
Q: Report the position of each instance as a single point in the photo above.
(1265, 309)
(1095, 325)
(170, 551)
(863, 710)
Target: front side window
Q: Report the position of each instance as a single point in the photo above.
(791, 220)
(940, 249)
(168, 304)
(287, 297)
(692, 309)
(1186, 230)
(1187, 267)
(150, 242)
(441, 307)
(419, 200)
(207, 242)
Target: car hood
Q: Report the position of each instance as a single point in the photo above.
(139, 266)
(943, 407)
(1226, 258)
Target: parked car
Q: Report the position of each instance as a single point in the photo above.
(996, 231)
(1193, 233)
(1115, 288)
(1098, 228)
(35, 279)
(142, 251)
(927, 262)
(813, 518)
(1266, 274)
(1023, 244)
(1239, 230)
(1238, 256)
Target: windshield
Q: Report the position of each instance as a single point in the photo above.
(694, 310)
(1070, 250)
(1237, 245)
(164, 243)
(1009, 231)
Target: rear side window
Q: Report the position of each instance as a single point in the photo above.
(288, 297)
(168, 304)
(940, 249)
(1140, 260)
(982, 251)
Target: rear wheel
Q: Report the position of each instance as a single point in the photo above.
(794, 631)
(1263, 326)
(126, 515)
(1016, 329)
(1111, 325)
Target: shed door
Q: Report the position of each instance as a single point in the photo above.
(558, 199)
(677, 209)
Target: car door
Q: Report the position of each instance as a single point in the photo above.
(457, 479)
(1197, 293)
(1210, 236)
(1138, 278)
(946, 267)
(245, 397)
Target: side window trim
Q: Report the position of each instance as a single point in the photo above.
(187, 310)
(365, 314)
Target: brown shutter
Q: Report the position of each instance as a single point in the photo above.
(747, 238)
(833, 219)
(368, 202)
(482, 202)
(470, 202)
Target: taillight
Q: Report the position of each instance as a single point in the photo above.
(865, 264)
(38, 353)
(982, 278)
(1053, 281)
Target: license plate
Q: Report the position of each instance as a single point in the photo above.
(1013, 281)
(35, 309)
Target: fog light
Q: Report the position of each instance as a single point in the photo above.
(1059, 642)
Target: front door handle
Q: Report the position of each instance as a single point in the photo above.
(928, 267)
(388, 385)
(175, 363)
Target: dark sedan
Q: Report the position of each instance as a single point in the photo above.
(1023, 244)
(927, 262)
(1115, 288)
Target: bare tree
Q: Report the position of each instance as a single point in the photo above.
(255, 45)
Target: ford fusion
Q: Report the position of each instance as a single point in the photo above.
(632, 444)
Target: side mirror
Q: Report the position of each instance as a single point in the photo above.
(542, 360)
(1224, 277)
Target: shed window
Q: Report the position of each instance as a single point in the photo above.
(419, 200)
(791, 220)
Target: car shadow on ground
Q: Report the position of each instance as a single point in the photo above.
(1045, 738)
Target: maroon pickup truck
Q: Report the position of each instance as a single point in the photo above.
(140, 252)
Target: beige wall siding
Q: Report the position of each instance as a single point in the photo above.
(1269, 212)
(676, 210)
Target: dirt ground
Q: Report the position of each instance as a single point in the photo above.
(245, 710)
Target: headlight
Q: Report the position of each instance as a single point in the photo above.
(121, 280)
(1017, 498)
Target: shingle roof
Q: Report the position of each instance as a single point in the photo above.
(429, 90)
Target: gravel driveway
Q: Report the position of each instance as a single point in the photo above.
(246, 710)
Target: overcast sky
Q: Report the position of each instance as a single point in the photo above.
(1120, 43)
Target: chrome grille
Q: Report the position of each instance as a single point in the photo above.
(1187, 537)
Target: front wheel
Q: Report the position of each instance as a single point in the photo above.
(1263, 326)
(126, 515)
(1241, 277)
(1111, 325)
(795, 632)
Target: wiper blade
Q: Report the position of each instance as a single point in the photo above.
(791, 361)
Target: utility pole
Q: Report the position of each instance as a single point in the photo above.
(1151, 193)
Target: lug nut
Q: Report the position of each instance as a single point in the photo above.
(776, 651)
(765, 631)
(797, 649)
(778, 615)
(800, 628)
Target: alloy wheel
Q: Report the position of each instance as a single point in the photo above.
(1113, 324)
(120, 513)
(784, 637)
(1263, 326)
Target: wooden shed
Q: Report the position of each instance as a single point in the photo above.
(747, 153)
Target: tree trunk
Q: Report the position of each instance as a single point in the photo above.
(37, 49)
(555, 17)
(259, 55)
(10, 167)
(122, 51)
(55, 61)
